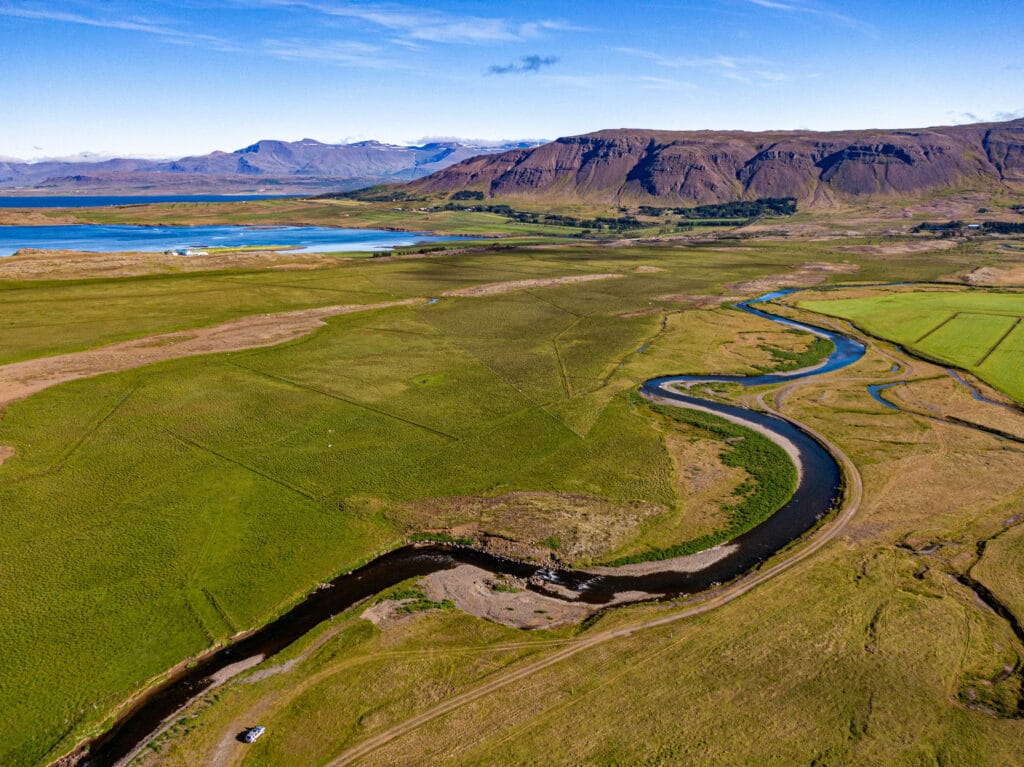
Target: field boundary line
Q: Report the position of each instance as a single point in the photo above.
(194, 613)
(950, 318)
(562, 371)
(220, 610)
(252, 469)
(544, 300)
(388, 295)
(77, 445)
(339, 398)
(1002, 338)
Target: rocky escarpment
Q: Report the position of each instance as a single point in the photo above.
(711, 166)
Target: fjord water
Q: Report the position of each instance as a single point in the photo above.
(104, 238)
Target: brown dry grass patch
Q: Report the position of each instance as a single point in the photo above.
(995, 275)
(21, 379)
(576, 527)
(804, 276)
(495, 288)
(76, 265)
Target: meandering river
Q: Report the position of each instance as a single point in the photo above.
(818, 491)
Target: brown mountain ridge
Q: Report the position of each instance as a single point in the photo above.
(702, 167)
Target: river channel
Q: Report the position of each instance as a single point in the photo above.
(818, 491)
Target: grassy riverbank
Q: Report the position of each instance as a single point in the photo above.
(772, 478)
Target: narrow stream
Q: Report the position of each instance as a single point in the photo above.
(818, 491)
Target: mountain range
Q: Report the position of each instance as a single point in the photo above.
(303, 167)
(703, 167)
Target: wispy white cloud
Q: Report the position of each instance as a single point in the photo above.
(141, 24)
(809, 8)
(488, 143)
(745, 69)
(601, 83)
(412, 23)
(961, 118)
(345, 53)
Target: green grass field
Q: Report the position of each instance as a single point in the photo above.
(772, 481)
(151, 514)
(978, 330)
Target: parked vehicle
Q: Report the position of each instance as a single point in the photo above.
(253, 733)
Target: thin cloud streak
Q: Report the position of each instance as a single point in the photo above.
(426, 25)
(344, 53)
(742, 69)
(807, 9)
(135, 24)
(75, 18)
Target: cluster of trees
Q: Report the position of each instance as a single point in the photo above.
(379, 193)
(1003, 227)
(949, 226)
(954, 227)
(765, 206)
(610, 223)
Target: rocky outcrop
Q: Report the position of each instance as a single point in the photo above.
(695, 168)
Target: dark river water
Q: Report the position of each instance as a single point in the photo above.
(818, 491)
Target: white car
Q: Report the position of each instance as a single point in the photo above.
(250, 735)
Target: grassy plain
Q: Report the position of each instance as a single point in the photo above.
(868, 653)
(152, 513)
(977, 330)
(181, 502)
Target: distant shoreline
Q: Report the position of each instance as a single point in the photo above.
(111, 200)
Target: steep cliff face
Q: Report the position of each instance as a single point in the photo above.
(709, 167)
(1004, 148)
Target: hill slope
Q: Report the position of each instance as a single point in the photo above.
(716, 166)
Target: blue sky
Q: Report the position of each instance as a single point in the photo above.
(174, 78)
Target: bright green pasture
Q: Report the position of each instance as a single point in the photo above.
(151, 513)
(979, 331)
